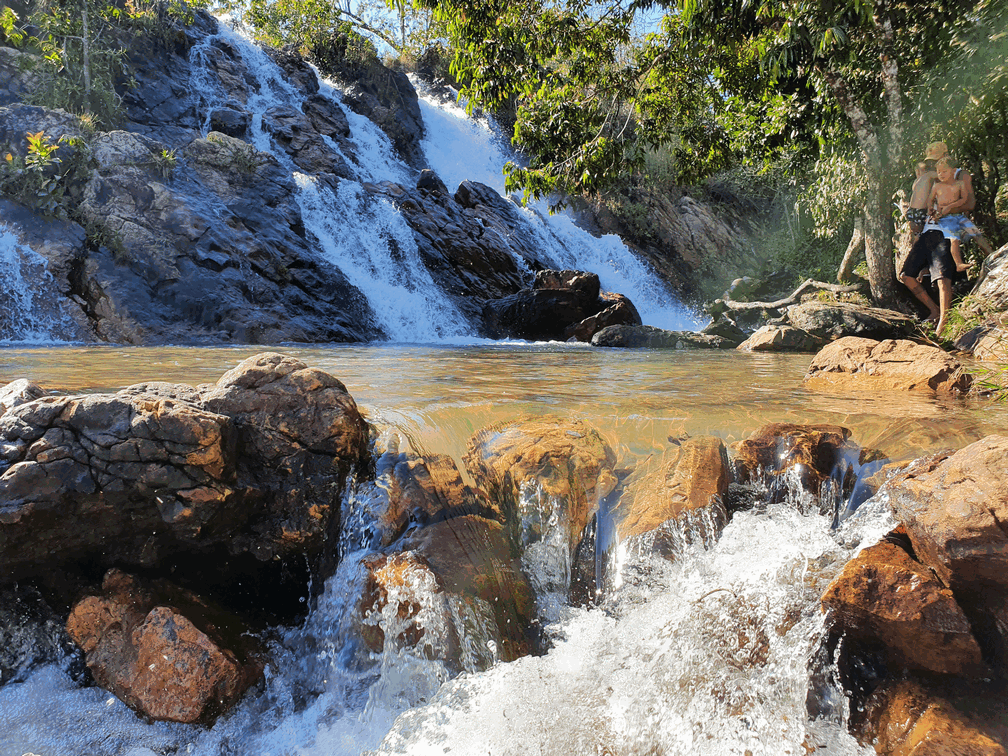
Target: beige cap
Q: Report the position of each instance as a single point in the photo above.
(936, 151)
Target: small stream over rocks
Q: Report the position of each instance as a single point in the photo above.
(545, 549)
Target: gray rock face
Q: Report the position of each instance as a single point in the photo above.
(253, 464)
(834, 320)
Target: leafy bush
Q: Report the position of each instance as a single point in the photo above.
(34, 180)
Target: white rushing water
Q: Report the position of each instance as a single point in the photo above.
(30, 309)
(713, 653)
(368, 240)
(459, 148)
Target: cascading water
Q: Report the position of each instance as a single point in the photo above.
(459, 147)
(367, 238)
(30, 309)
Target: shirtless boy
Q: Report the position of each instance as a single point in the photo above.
(945, 192)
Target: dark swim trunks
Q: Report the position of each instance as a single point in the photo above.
(916, 215)
(933, 251)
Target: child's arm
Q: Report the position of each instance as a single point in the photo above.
(932, 202)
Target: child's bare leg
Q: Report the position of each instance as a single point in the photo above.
(944, 300)
(984, 245)
(957, 256)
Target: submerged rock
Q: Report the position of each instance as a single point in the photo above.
(451, 591)
(567, 463)
(905, 717)
(165, 652)
(807, 454)
(854, 363)
(687, 486)
(887, 597)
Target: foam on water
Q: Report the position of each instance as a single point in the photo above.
(30, 304)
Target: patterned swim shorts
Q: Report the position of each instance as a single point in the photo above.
(957, 226)
(916, 215)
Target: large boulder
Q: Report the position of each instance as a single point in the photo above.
(887, 597)
(686, 486)
(253, 465)
(954, 508)
(535, 314)
(165, 652)
(834, 320)
(533, 467)
(992, 284)
(855, 363)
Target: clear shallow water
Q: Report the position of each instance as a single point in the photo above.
(710, 654)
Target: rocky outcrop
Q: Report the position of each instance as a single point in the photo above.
(780, 338)
(561, 305)
(643, 336)
(532, 467)
(886, 596)
(834, 320)
(808, 455)
(254, 464)
(859, 364)
(992, 283)
(687, 486)
(954, 508)
(165, 652)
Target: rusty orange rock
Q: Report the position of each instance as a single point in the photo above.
(142, 643)
(885, 595)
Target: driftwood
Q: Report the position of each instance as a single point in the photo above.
(794, 298)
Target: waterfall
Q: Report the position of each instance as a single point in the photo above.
(30, 309)
(364, 236)
(368, 240)
(459, 147)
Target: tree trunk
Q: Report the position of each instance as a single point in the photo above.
(850, 258)
(86, 54)
(878, 241)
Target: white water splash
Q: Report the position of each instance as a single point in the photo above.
(460, 148)
(30, 304)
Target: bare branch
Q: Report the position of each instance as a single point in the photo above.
(795, 297)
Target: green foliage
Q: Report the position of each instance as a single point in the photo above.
(34, 180)
(165, 162)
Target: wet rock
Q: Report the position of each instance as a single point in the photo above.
(453, 592)
(418, 490)
(295, 132)
(299, 71)
(621, 311)
(906, 718)
(726, 329)
(834, 320)
(638, 336)
(580, 282)
(165, 652)
(885, 595)
(17, 82)
(854, 363)
(535, 314)
(431, 182)
(687, 485)
(532, 467)
(805, 454)
(386, 97)
(954, 508)
(253, 464)
(780, 338)
(231, 121)
(32, 634)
